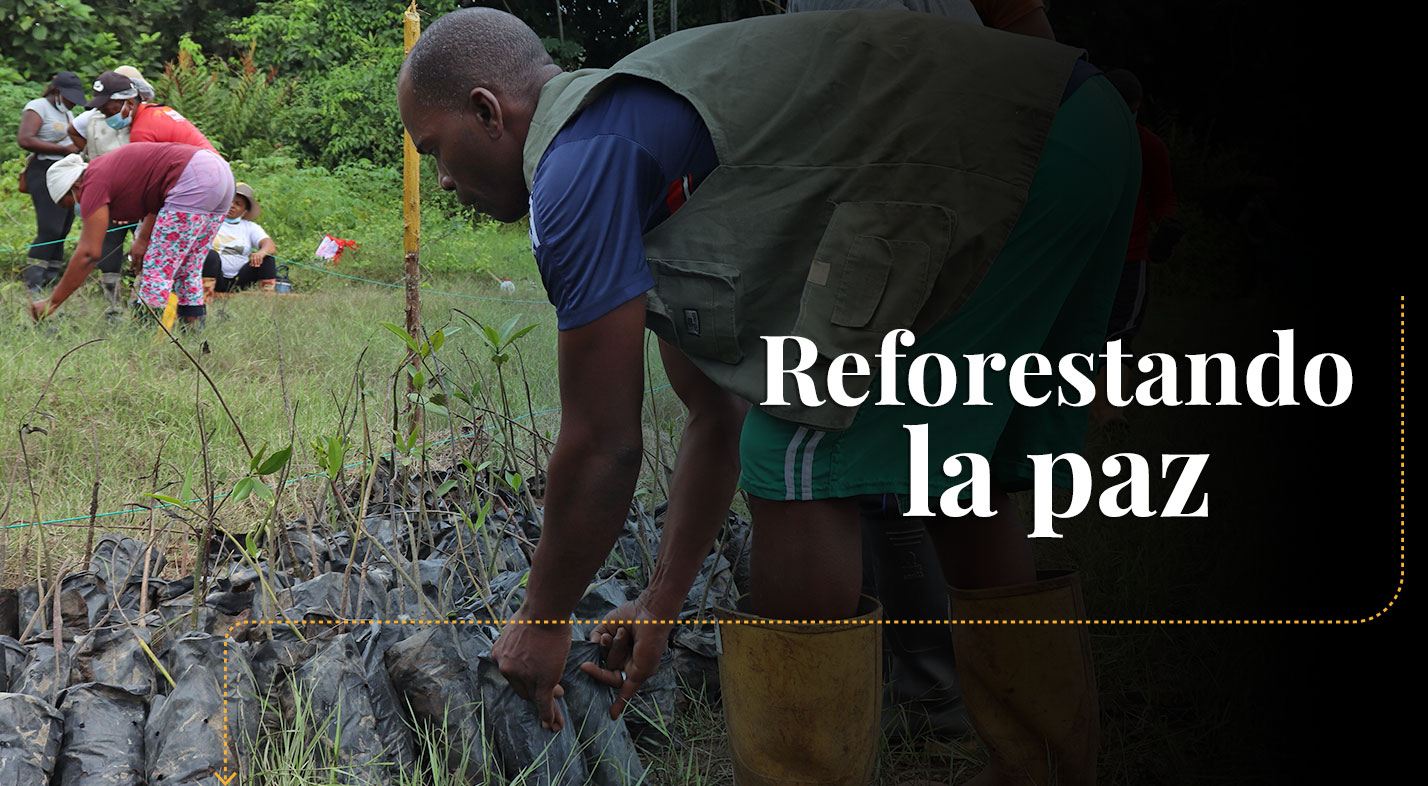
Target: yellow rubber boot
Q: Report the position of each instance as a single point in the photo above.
(802, 703)
(1030, 688)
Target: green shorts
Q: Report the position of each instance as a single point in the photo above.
(1048, 291)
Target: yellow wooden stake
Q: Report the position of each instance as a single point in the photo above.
(411, 209)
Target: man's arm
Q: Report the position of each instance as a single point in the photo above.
(706, 472)
(591, 478)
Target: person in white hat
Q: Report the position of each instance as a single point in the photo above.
(179, 192)
(242, 253)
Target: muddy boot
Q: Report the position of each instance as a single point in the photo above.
(922, 695)
(1030, 688)
(36, 277)
(112, 285)
(802, 701)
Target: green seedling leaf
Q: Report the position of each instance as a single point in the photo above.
(507, 328)
(186, 490)
(524, 579)
(241, 490)
(276, 461)
(250, 544)
(513, 479)
(257, 458)
(262, 490)
(521, 332)
(336, 451)
(401, 333)
(166, 499)
(442, 490)
(437, 339)
(419, 380)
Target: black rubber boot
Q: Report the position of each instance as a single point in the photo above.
(36, 277)
(922, 693)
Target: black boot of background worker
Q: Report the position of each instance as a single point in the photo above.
(922, 694)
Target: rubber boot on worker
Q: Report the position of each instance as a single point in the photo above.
(111, 284)
(37, 276)
(1030, 688)
(802, 701)
(922, 696)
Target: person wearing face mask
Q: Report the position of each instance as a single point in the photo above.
(44, 131)
(118, 99)
(94, 137)
(242, 253)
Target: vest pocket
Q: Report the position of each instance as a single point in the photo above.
(696, 305)
(873, 272)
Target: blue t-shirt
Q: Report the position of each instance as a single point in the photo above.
(613, 173)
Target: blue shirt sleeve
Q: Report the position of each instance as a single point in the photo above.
(589, 203)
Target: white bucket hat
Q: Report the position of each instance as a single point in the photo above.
(62, 174)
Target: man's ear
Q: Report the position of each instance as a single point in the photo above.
(487, 109)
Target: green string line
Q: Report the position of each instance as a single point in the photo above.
(62, 240)
(400, 286)
(274, 485)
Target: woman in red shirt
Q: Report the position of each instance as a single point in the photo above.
(180, 193)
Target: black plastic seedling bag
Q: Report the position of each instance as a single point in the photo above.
(543, 757)
(432, 675)
(30, 731)
(333, 685)
(605, 744)
(114, 656)
(45, 674)
(206, 652)
(103, 742)
(12, 659)
(119, 561)
(184, 735)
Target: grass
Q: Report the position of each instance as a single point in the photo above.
(300, 368)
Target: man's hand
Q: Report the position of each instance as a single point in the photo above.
(255, 259)
(39, 309)
(635, 636)
(531, 656)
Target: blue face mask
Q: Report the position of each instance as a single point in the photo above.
(231, 220)
(118, 122)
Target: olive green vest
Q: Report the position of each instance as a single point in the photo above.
(871, 165)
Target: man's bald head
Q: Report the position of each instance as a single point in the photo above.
(471, 48)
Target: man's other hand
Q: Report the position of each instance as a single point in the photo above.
(634, 637)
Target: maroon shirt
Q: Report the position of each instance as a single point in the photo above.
(1156, 201)
(133, 180)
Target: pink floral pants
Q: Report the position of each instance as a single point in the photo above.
(174, 261)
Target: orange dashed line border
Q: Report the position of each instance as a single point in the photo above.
(1398, 591)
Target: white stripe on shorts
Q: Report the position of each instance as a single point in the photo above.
(788, 491)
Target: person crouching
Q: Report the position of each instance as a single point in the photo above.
(242, 253)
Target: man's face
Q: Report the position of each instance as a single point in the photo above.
(116, 106)
(476, 155)
(238, 208)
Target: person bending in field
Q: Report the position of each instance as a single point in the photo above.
(179, 193)
(834, 177)
(242, 253)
